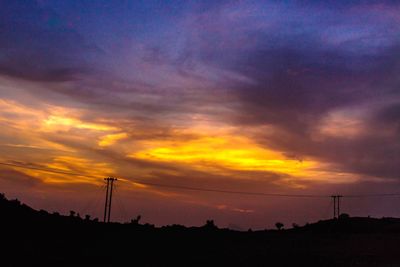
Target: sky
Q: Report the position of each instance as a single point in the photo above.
(276, 97)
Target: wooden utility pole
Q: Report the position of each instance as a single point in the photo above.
(336, 205)
(109, 190)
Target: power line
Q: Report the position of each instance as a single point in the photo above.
(119, 203)
(47, 170)
(94, 201)
(182, 187)
(173, 186)
(372, 195)
(229, 191)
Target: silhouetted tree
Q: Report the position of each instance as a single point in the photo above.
(72, 213)
(344, 216)
(295, 225)
(279, 225)
(87, 217)
(210, 224)
(136, 221)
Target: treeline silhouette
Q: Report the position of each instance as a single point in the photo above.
(39, 238)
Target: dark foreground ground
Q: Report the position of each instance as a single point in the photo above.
(36, 238)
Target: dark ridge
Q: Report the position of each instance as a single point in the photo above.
(38, 238)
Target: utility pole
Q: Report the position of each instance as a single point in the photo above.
(109, 190)
(336, 205)
(106, 204)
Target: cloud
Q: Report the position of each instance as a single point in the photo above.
(12, 178)
(38, 45)
(299, 80)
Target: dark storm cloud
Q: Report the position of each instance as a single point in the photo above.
(37, 45)
(389, 115)
(308, 82)
(296, 88)
(370, 156)
(300, 69)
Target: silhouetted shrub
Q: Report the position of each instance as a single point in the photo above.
(344, 216)
(136, 221)
(210, 224)
(87, 217)
(279, 225)
(295, 225)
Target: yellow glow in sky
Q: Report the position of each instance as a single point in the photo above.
(206, 146)
(73, 165)
(232, 152)
(59, 121)
(110, 139)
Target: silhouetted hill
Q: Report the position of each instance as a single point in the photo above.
(354, 225)
(37, 238)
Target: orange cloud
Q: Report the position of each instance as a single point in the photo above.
(225, 151)
(111, 139)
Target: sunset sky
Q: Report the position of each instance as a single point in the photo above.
(281, 97)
